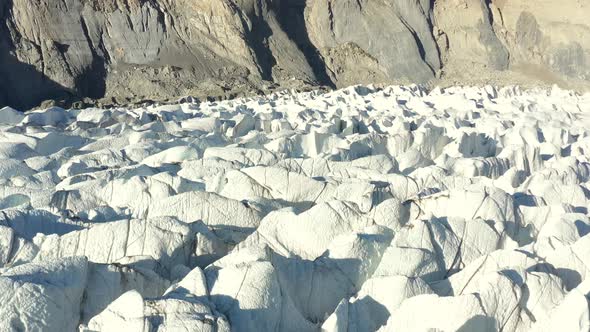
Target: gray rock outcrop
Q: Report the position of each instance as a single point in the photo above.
(159, 49)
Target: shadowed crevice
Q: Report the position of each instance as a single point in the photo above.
(257, 38)
(22, 86)
(291, 17)
(92, 82)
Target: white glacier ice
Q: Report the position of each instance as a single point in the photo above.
(362, 209)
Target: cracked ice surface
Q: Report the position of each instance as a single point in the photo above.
(363, 209)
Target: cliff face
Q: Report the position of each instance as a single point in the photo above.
(546, 40)
(140, 48)
(166, 48)
(554, 34)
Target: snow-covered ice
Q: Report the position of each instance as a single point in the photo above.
(362, 209)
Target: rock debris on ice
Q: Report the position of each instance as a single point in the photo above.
(363, 209)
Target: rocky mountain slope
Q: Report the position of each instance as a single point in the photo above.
(158, 49)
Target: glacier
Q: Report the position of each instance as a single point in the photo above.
(395, 208)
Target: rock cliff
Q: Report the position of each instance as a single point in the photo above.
(158, 49)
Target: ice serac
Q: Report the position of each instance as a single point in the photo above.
(43, 297)
(230, 219)
(164, 238)
(490, 307)
(185, 306)
(372, 306)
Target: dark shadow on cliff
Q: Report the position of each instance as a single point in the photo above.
(92, 82)
(23, 86)
(291, 17)
(257, 38)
